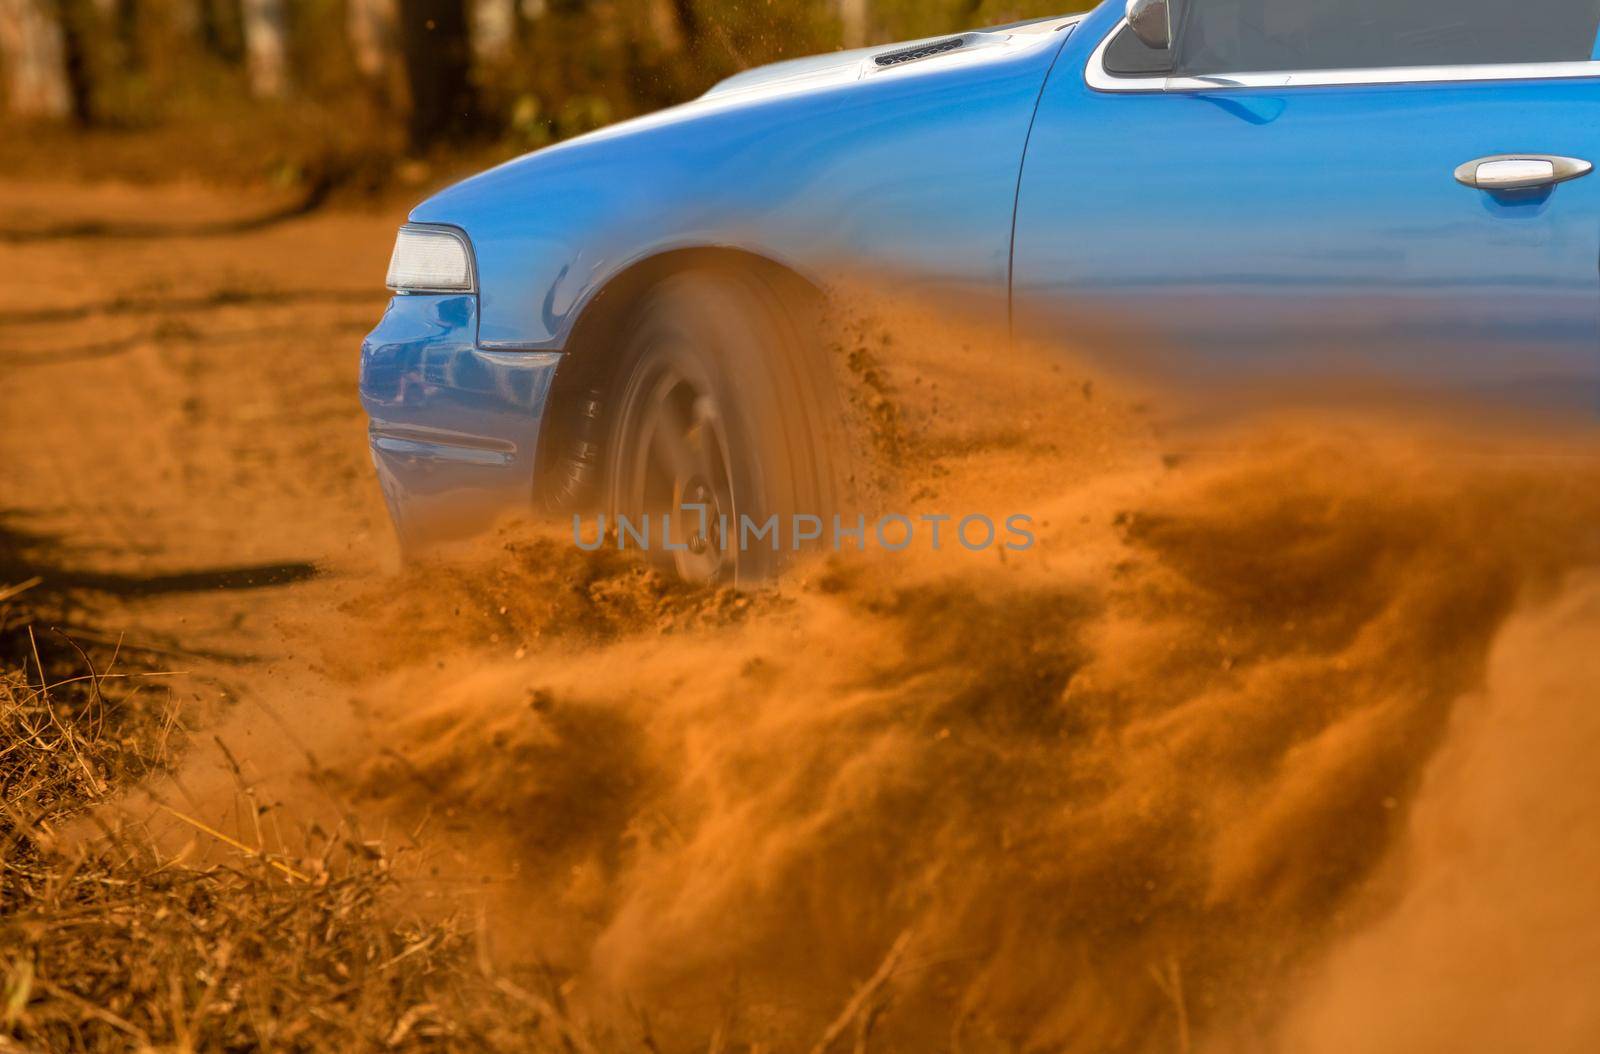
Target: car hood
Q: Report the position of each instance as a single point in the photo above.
(837, 67)
(819, 72)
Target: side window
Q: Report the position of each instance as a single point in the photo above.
(1260, 36)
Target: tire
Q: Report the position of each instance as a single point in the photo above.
(724, 399)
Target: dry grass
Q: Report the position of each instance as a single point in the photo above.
(107, 943)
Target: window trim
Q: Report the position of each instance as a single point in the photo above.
(1098, 78)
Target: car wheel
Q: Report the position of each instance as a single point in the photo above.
(723, 425)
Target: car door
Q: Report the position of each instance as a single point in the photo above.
(1400, 183)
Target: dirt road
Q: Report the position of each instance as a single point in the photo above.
(1189, 776)
(179, 424)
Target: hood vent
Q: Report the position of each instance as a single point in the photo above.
(918, 53)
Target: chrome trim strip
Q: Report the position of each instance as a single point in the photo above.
(1096, 77)
(399, 446)
(438, 437)
(520, 346)
(438, 444)
(513, 359)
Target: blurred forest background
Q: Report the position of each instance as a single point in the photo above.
(356, 95)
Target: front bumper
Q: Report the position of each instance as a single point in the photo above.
(454, 429)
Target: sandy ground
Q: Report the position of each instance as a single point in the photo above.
(185, 406)
(1277, 736)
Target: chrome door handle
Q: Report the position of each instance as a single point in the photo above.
(1520, 171)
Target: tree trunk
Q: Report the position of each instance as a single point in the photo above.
(688, 20)
(126, 15)
(266, 38)
(853, 22)
(437, 54)
(494, 25)
(76, 19)
(528, 12)
(30, 52)
(221, 25)
(372, 36)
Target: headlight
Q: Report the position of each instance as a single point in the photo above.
(430, 260)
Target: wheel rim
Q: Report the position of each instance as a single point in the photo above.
(678, 467)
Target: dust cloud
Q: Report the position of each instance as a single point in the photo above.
(1491, 942)
(1277, 740)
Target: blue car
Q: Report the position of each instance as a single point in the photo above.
(629, 321)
